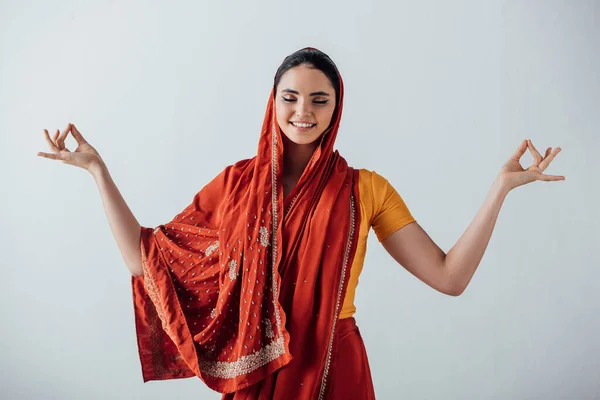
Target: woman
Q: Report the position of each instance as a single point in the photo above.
(251, 286)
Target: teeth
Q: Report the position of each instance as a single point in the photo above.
(302, 125)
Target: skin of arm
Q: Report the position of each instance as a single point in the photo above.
(448, 273)
(123, 224)
(451, 273)
(410, 246)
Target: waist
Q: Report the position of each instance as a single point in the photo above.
(346, 325)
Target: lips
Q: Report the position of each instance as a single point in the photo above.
(302, 124)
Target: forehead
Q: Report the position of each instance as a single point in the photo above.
(304, 79)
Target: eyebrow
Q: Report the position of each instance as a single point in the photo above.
(312, 94)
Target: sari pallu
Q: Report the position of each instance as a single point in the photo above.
(243, 284)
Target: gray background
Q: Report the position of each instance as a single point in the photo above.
(438, 96)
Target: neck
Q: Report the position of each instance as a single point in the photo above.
(296, 157)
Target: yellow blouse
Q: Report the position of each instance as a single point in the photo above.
(382, 208)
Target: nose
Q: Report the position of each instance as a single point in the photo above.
(304, 108)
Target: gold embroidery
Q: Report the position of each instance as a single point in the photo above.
(157, 350)
(212, 248)
(264, 236)
(268, 328)
(274, 225)
(153, 292)
(268, 353)
(233, 269)
(246, 364)
(339, 295)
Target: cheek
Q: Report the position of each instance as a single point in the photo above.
(326, 115)
(283, 118)
(283, 113)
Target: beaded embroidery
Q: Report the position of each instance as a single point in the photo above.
(245, 364)
(233, 269)
(210, 249)
(264, 236)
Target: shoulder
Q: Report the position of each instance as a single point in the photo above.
(371, 181)
(377, 193)
(233, 172)
(384, 208)
(227, 179)
(239, 166)
(372, 188)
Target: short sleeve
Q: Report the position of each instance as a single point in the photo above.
(390, 213)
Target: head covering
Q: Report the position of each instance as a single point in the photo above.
(244, 285)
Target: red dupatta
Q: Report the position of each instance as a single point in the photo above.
(243, 288)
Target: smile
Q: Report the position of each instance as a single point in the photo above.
(302, 125)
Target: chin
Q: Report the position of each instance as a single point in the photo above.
(301, 140)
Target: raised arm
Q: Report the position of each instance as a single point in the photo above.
(123, 224)
(451, 273)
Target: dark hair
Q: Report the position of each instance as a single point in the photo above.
(315, 59)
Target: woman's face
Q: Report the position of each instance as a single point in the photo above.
(305, 101)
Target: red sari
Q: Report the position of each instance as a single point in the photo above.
(243, 288)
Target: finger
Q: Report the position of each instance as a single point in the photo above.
(50, 142)
(537, 157)
(52, 156)
(77, 135)
(548, 159)
(55, 137)
(61, 139)
(548, 151)
(551, 178)
(520, 151)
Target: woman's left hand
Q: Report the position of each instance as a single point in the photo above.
(513, 175)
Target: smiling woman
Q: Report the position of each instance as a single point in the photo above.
(304, 112)
(306, 89)
(304, 115)
(251, 287)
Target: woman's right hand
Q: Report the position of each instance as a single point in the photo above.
(84, 156)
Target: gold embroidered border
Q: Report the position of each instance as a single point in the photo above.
(275, 214)
(339, 295)
(250, 362)
(153, 292)
(246, 364)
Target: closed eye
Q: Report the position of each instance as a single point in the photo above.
(314, 101)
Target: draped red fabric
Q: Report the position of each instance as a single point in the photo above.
(350, 375)
(245, 285)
